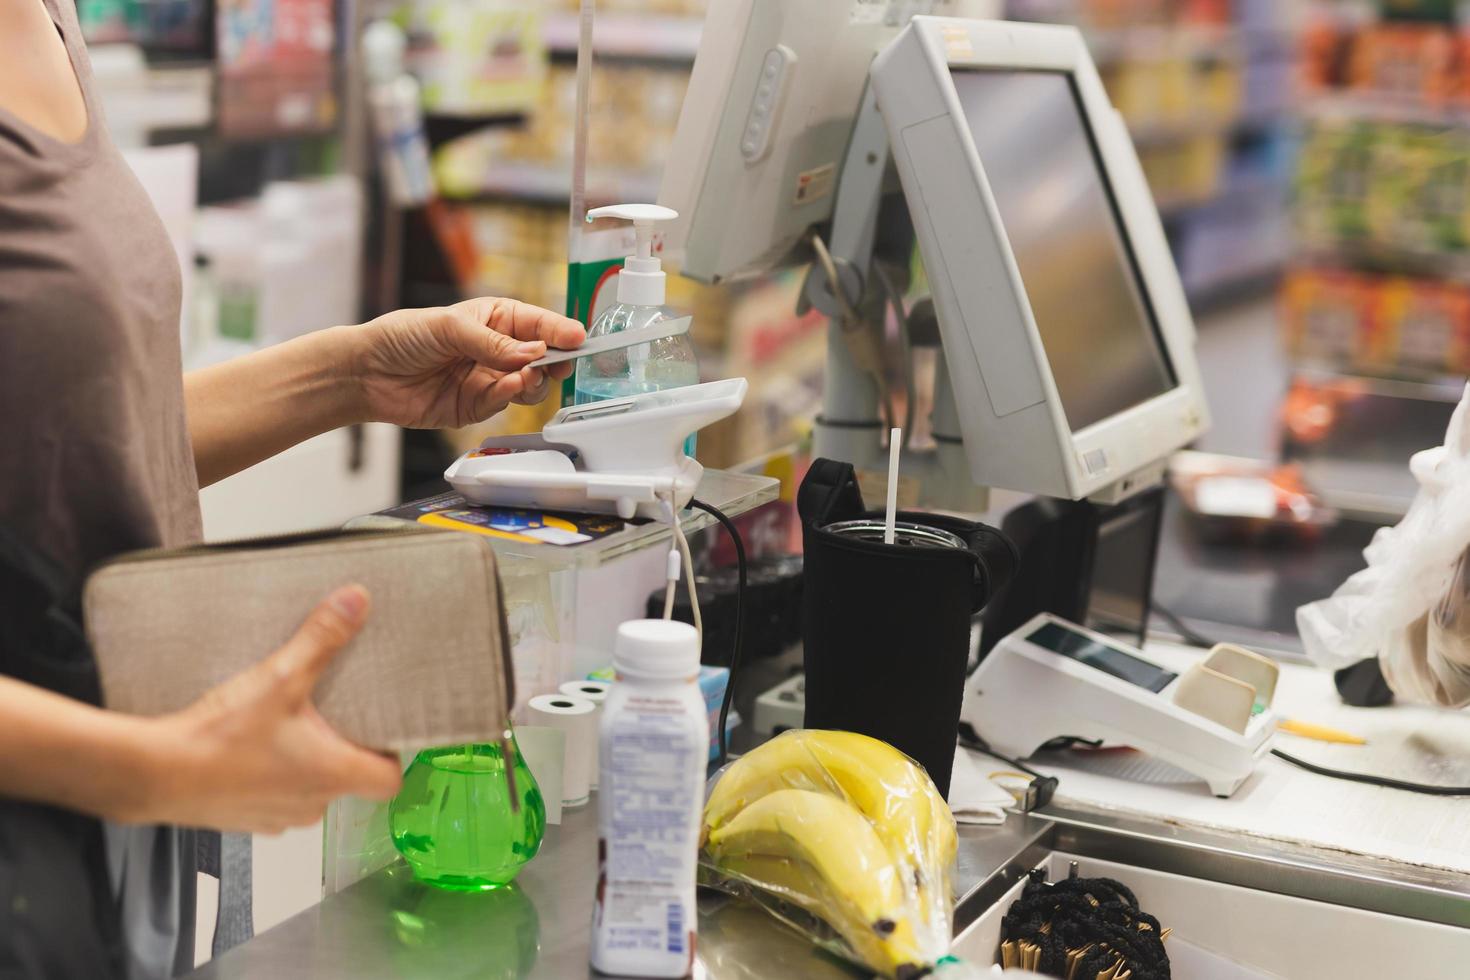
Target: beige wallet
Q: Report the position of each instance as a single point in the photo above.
(430, 667)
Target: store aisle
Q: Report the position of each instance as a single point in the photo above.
(1245, 375)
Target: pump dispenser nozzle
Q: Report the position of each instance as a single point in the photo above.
(641, 283)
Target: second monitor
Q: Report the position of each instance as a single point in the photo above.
(1069, 342)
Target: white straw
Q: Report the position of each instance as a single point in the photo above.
(895, 443)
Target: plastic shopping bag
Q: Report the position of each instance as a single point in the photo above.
(842, 837)
(1411, 606)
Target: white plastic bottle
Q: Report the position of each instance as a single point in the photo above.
(393, 97)
(657, 365)
(654, 752)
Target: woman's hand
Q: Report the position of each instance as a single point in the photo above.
(253, 754)
(457, 365)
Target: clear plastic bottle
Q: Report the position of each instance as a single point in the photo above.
(657, 365)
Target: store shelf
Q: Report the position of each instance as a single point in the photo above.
(552, 185)
(1369, 107)
(732, 493)
(1147, 134)
(443, 127)
(1375, 257)
(1161, 42)
(627, 35)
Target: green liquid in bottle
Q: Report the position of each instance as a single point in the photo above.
(452, 820)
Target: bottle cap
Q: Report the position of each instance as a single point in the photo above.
(383, 47)
(656, 649)
(641, 282)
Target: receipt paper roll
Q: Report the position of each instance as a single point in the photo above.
(545, 752)
(576, 716)
(596, 692)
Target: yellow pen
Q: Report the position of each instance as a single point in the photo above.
(1320, 732)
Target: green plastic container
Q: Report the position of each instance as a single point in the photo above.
(453, 822)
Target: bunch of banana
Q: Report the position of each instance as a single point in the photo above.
(820, 854)
(848, 828)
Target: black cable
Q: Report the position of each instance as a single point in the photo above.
(735, 652)
(1186, 632)
(1194, 638)
(1429, 789)
(970, 740)
(1041, 788)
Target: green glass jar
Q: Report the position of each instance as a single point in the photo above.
(453, 822)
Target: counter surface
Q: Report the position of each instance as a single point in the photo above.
(390, 926)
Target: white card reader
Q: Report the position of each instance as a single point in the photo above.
(621, 456)
(1051, 679)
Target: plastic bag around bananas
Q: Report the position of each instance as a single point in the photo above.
(847, 829)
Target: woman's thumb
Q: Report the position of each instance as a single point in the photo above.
(327, 629)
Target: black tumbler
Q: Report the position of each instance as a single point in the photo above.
(886, 627)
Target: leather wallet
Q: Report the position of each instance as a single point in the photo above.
(430, 667)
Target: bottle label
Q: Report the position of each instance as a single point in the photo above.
(651, 802)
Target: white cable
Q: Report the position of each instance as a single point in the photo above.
(824, 257)
(689, 582)
(682, 543)
(866, 349)
(671, 576)
(672, 565)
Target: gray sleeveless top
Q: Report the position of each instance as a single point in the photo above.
(95, 456)
(94, 448)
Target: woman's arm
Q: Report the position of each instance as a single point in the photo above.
(449, 366)
(250, 755)
(248, 409)
(61, 751)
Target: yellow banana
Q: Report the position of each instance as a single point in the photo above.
(817, 852)
(885, 785)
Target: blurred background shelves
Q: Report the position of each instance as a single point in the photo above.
(1375, 307)
(1206, 91)
(651, 37)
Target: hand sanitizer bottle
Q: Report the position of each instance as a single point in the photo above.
(654, 366)
(654, 750)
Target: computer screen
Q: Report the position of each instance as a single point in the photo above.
(1081, 277)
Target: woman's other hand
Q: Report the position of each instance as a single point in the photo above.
(457, 365)
(253, 754)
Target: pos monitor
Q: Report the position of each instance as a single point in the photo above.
(766, 120)
(1069, 342)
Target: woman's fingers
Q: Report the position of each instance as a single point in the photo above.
(359, 772)
(535, 384)
(489, 348)
(523, 321)
(489, 392)
(328, 628)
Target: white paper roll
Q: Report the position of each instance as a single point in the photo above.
(545, 750)
(596, 692)
(578, 718)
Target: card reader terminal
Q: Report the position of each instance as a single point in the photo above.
(622, 456)
(1052, 679)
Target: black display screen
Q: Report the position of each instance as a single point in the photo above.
(1109, 660)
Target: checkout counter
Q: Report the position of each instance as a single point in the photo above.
(1304, 907)
(1295, 874)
